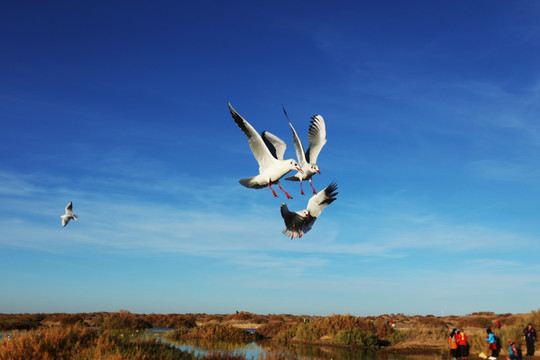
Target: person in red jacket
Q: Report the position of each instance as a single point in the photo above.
(461, 340)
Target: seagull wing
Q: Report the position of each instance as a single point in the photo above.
(316, 137)
(298, 147)
(297, 143)
(276, 146)
(290, 218)
(322, 199)
(69, 209)
(65, 220)
(256, 143)
(317, 203)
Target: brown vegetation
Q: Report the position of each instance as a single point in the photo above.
(212, 332)
(82, 343)
(411, 333)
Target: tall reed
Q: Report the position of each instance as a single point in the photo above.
(81, 343)
(213, 332)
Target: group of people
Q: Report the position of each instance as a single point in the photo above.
(459, 349)
(514, 353)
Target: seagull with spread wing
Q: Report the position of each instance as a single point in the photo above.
(308, 160)
(271, 168)
(300, 222)
(68, 215)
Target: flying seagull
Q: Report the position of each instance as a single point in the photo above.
(300, 222)
(308, 160)
(271, 169)
(68, 215)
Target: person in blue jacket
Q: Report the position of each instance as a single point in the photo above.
(492, 344)
(513, 353)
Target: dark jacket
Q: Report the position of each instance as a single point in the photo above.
(530, 334)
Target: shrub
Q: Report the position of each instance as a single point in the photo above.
(124, 320)
(81, 343)
(329, 326)
(273, 328)
(475, 321)
(212, 332)
(242, 315)
(183, 322)
(356, 337)
(396, 337)
(20, 321)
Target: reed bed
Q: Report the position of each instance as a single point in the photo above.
(336, 329)
(212, 332)
(81, 343)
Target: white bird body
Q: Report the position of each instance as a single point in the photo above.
(300, 222)
(68, 215)
(271, 169)
(308, 159)
(293, 221)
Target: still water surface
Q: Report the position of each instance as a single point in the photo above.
(254, 350)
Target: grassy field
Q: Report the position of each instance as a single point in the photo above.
(114, 335)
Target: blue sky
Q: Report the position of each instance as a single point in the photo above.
(432, 112)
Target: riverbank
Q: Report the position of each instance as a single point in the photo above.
(395, 333)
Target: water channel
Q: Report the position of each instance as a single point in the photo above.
(255, 350)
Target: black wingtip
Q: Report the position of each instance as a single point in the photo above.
(236, 116)
(331, 190)
(285, 112)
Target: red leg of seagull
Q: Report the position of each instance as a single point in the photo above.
(312, 187)
(273, 192)
(301, 188)
(300, 234)
(286, 193)
(292, 234)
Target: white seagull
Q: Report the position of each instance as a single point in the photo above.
(300, 222)
(271, 169)
(308, 160)
(68, 215)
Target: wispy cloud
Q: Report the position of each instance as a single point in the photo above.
(11, 184)
(509, 171)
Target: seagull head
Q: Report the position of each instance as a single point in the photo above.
(295, 165)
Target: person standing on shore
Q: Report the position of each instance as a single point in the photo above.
(453, 344)
(461, 340)
(492, 344)
(530, 337)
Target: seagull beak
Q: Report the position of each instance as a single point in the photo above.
(301, 171)
(319, 172)
(307, 216)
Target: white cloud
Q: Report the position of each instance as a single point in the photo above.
(509, 171)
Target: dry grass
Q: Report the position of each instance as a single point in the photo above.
(212, 332)
(81, 343)
(335, 329)
(274, 328)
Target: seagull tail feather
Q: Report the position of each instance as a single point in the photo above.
(248, 182)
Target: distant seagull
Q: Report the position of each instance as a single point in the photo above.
(68, 215)
(308, 160)
(271, 169)
(300, 222)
